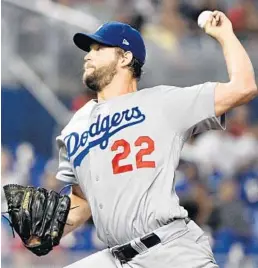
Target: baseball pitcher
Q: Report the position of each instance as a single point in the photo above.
(121, 150)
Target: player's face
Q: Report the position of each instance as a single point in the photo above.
(100, 67)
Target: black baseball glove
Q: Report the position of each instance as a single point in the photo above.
(37, 216)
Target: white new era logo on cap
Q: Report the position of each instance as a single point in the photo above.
(125, 42)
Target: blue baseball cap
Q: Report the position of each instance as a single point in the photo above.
(114, 34)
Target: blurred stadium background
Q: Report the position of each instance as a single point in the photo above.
(217, 179)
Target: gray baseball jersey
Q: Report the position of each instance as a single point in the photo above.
(124, 152)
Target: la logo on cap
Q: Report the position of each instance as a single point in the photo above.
(125, 42)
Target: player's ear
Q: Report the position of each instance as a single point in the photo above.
(126, 59)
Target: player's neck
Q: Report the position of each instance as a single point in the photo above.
(119, 86)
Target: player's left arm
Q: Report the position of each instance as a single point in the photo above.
(241, 87)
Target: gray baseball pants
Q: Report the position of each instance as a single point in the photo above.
(182, 246)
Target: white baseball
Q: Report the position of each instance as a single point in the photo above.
(203, 17)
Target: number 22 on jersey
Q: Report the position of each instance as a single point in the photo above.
(140, 163)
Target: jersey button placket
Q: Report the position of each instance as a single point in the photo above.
(95, 115)
(95, 112)
(93, 150)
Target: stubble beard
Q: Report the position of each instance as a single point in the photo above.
(101, 77)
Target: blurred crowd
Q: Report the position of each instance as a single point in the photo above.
(217, 177)
(174, 19)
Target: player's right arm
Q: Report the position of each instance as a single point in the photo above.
(241, 87)
(80, 214)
